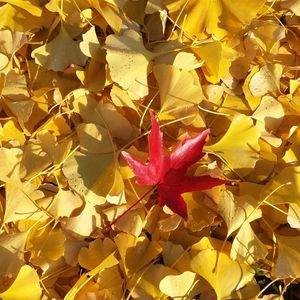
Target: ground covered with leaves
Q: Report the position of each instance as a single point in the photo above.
(82, 81)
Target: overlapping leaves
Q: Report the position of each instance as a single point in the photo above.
(77, 82)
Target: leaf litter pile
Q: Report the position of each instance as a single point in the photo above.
(149, 149)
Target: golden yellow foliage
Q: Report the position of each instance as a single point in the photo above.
(82, 81)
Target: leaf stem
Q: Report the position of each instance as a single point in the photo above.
(130, 208)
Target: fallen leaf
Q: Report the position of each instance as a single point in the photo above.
(217, 59)
(129, 62)
(91, 183)
(214, 266)
(10, 130)
(89, 258)
(182, 285)
(11, 163)
(16, 97)
(247, 247)
(103, 114)
(220, 18)
(268, 35)
(168, 172)
(237, 210)
(121, 98)
(270, 112)
(266, 80)
(47, 243)
(11, 41)
(174, 97)
(240, 140)
(21, 203)
(53, 56)
(90, 46)
(150, 280)
(85, 223)
(283, 188)
(108, 262)
(12, 248)
(287, 261)
(94, 139)
(25, 287)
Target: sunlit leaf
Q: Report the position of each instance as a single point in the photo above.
(241, 140)
(287, 262)
(129, 62)
(220, 18)
(215, 266)
(53, 56)
(26, 286)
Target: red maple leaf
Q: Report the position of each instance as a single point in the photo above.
(168, 172)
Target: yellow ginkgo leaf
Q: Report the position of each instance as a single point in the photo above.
(12, 248)
(222, 273)
(31, 6)
(217, 59)
(10, 130)
(104, 114)
(287, 264)
(25, 287)
(94, 139)
(129, 62)
(236, 210)
(253, 101)
(90, 175)
(239, 146)
(247, 247)
(11, 41)
(108, 262)
(91, 47)
(109, 11)
(220, 18)
(174, 96)
(132, 222)
(93, 77)
(200, 216)
(270, 112)
(62, 204)
(174, 256)
(121, 98)
(84, 224)
(57, 125)
(10, 166)
(16, 96)
(26, 20)
(266, 80)
(124, 241)
(141, 255)
(53, 56)
(283, 188)
(150, 279)
(182, 285)
(98, 250)
(57, 151)
(69, 11)
(111, 280)
(47, 244)
(3, 61)
(20, 203)
(268, 35)
(136, 253)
